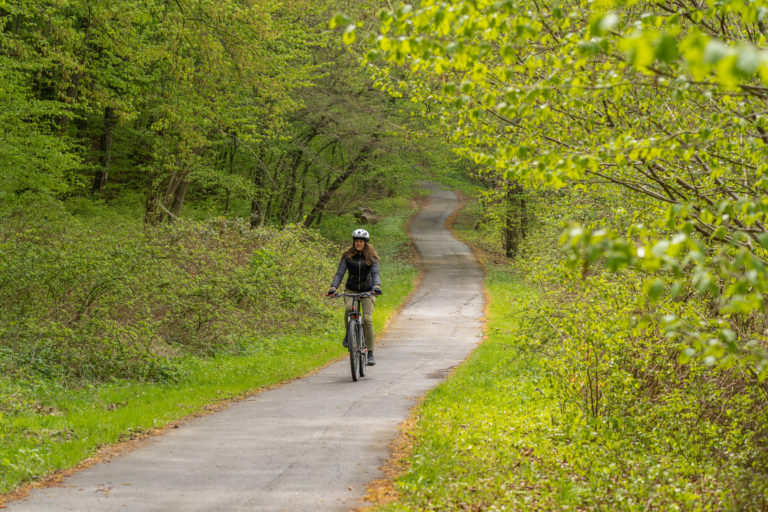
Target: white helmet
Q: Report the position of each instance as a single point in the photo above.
(362, 234)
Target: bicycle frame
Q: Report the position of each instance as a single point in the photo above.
(356, 312)
(358, 350)
(357, 301)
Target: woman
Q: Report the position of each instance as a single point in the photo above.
(361, 263)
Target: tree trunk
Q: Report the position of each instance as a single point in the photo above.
(169, 204)
(317, 211)
(178, 199)
(232, 151)
(154, 207)
(153, 214)
(257, 212)
(523, 215)
(70, 96)
(292, 181)
(290, 189)
(303, 196)
(514, 228)
(105, 149)
(256, 216)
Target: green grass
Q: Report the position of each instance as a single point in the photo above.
(397, 282)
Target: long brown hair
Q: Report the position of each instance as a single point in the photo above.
(369, 253)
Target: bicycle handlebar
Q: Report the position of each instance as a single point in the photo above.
(362, 295)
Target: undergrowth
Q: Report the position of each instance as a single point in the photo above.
(100, 298)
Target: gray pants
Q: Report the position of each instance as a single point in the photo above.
(367, 306)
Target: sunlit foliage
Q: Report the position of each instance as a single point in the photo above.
(665, 100)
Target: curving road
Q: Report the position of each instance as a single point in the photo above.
(312, 444)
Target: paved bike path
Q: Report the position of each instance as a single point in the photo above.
(312, 444)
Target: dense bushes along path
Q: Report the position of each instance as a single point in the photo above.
(314, 443)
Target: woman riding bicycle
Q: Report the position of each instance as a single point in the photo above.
(361, 264)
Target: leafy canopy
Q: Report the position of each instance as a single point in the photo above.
(665, 100)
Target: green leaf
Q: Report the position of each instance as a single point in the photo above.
(339, 20)
(654, 289)
(349, 34)
(749, 60)
(743, 304)
(605, 23)
(640, 51)
(686, 355)
(716, 51)
(508, 53)
(702, 280)
(727, 335)
(667, 51)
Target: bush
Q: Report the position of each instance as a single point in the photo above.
(101, 297)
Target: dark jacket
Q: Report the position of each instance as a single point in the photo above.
(361, 276)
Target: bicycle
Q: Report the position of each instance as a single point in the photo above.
(355, 337)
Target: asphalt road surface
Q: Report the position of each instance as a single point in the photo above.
(312, 444)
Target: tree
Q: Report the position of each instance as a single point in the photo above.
(665, 100)
(34, 154)
(243, 101)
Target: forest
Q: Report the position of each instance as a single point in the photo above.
(179, 177)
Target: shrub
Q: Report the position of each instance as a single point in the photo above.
(99, 297)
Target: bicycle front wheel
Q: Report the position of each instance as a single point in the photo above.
(354, 350)
(362, 352)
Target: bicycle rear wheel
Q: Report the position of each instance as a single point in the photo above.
(362, 352)
(354, 352)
